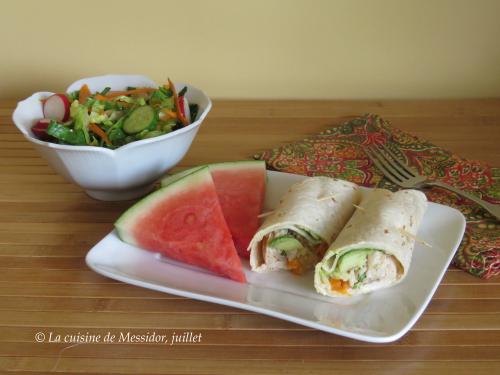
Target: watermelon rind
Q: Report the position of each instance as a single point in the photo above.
(195, 176)
(177, 176)
(227, 165)
(237, 164)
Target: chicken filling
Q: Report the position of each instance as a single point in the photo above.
(296, 250)
(360, 267)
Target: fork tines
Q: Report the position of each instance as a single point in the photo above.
(393, 167)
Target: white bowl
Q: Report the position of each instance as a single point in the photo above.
(126, 172)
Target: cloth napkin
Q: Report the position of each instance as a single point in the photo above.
(338, 152)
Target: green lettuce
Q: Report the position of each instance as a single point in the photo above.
(65, 134)
(82, 119)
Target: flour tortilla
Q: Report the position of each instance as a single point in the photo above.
(386, 221)
(319, 205)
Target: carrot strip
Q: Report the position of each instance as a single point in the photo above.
(99, 132)
(169, 113)
(83, 94)
(295, 267)
(177, 106)
(101, 97)
(113, 94)
(339, 285)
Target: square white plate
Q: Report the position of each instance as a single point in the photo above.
(383, 316)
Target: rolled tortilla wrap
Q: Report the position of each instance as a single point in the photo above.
(307, 219)
(374, 249)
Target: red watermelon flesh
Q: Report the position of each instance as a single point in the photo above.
(240, 187)
(184, 221)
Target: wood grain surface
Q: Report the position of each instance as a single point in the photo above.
(47, 226)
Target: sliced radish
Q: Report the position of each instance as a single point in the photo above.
(40, 129)
(183, 103)
(56, 107)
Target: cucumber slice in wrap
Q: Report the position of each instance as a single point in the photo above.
(286, 243)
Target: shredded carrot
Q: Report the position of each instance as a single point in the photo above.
(99, 132)
(177, 106)
(295, 267)
(339, 285)
(114, 94)
(84, 94)
(101, 97)
(169, 113)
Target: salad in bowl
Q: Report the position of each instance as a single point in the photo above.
(113, 118)
(113, 135)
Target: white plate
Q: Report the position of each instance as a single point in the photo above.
(382, 316)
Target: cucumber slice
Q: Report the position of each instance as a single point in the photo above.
(353, 259)
(285, 243)
(140, 119)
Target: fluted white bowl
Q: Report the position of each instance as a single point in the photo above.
(126, 172)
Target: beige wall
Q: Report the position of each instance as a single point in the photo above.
(258, 48)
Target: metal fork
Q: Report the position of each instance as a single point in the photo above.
(397, 171)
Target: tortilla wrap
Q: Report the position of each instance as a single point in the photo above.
(312, 212)
(374, 249)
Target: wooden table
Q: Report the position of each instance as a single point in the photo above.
(48, 225)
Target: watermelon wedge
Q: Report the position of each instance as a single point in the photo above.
(184, 221)
(240, 186)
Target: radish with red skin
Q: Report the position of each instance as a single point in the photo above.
(40, 129)
(184, 107)
(56, 107)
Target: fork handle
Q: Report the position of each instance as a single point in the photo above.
(493, 209)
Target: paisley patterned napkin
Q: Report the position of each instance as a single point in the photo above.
(338, 152)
